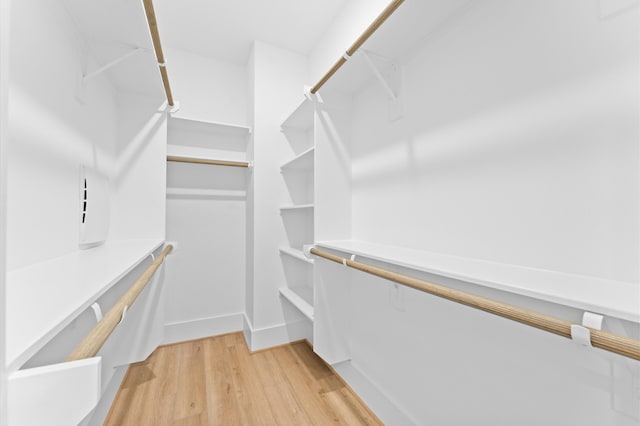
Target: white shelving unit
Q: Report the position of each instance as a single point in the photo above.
(296, 254)
(303, 161)
(298, 216)
(46, 297)
(207, 140)
(301, 297)
(613, 298)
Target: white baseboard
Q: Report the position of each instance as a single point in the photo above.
(200, 328)
(386, 410)
(280, 334)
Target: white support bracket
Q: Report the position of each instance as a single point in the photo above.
(390, 80)
(581, 333)
(113, 63)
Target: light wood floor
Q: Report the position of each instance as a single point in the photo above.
(217, 381)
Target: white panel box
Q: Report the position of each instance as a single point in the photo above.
(55, 395)
(94, 208)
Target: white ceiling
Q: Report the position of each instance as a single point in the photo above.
(225, 29)
(220, 29)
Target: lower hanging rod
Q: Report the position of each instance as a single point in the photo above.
(96, 338)
(179, 159)
(620, 345)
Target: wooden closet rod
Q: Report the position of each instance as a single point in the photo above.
(91, 344)
(388, 11)
(206, 161)
(157, 47)
(620, 345)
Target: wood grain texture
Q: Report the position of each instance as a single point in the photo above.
(157, 47)
(217, 381)
(620, 345)
(180, 159)
(368, 32)
(93, 341)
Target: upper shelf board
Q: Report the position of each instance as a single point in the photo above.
(48, 296)
(614, 298)
(304, 161)
(301, 118)
(300, 207)
(187, 124)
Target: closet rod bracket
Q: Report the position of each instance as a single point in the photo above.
(581, 334)
(390, 78)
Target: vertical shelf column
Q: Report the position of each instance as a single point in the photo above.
(298, 217)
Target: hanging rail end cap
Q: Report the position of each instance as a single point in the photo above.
(173, 245)
(306, 249)
(174, 108)
(312, 95)
(169, 109)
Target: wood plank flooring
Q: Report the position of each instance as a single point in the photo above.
(217, 381)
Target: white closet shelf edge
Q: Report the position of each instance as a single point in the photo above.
(301, 161)
(617, 299)
(213, 126)
(296, 254)
(46, 297)
(295, 296)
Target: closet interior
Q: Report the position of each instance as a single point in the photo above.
(449, 213)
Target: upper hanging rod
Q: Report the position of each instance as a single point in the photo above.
(620, 345)
(207, 161)
(388, 11)
(155, 37)
(91, 344)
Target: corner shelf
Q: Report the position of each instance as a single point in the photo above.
(301, 207)
(48, 296)
(296, 254)
(614, 298)
(301, 297)
(304, 161)
(301, 119)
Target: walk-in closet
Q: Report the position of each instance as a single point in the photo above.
(293, 212)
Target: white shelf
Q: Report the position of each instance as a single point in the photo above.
(188, 124)
(205, 153)
(304, 161)
(301, 297)
(44, 298)
(296, 254)
(300, 207)
(191, 193)
(614, 298)
(301, 118)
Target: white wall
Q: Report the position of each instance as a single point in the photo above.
(279, 78)
(4, 91)
(139, 194)
(51, 133)
(205, 281)
(519, 144)
(355, 16)
(206, 88)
